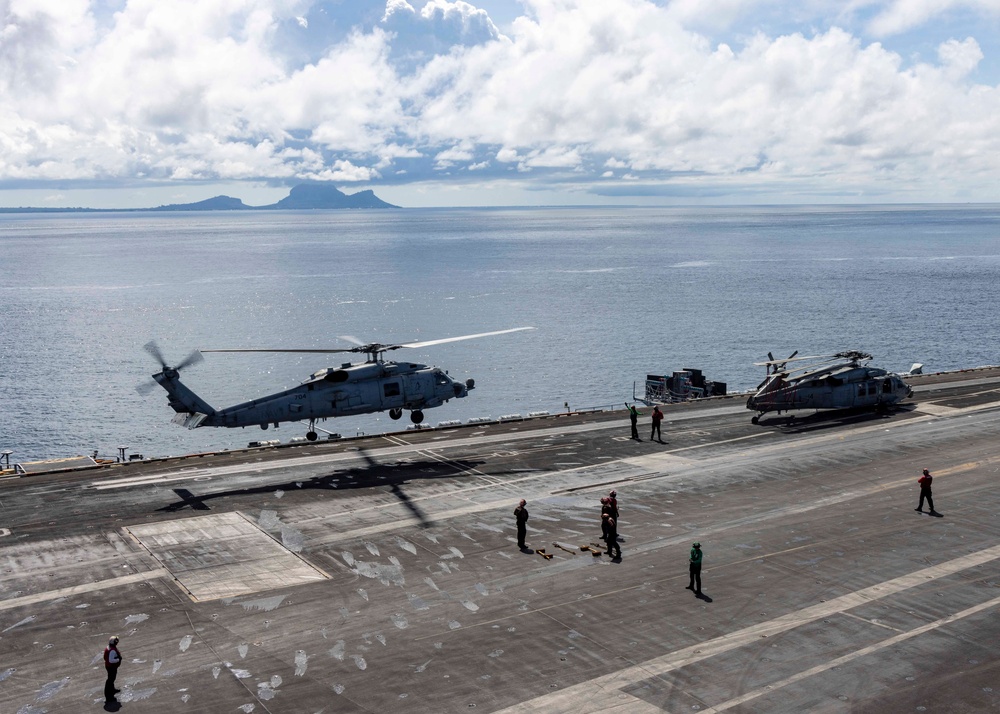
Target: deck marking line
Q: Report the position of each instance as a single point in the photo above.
(863, 652)
(573, 699)
(293, 462)
(404, 448)
(84, 588)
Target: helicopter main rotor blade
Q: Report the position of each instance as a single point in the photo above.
(429, 343)
(283, 350)
(376, 347)
(791, 359)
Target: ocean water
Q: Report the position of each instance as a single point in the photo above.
(614, 294)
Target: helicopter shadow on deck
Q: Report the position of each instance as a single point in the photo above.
(821, 420)
(372, 475)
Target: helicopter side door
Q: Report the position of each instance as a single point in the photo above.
(867, 393)
(392, 396)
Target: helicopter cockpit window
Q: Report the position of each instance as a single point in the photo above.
(441, 379)
(391, 389)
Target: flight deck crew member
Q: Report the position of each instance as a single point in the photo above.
(613, 500)
(521, 515)
(633, 416)
(925, 492)
(694, 568)
(612, 530)
(605, 512)
(657, 418)
(112, 659)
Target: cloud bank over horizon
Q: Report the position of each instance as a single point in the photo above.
(730, 101)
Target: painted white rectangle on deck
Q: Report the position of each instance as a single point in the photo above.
(223, 555)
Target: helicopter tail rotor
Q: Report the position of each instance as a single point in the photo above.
(154, 349)
(781, 367)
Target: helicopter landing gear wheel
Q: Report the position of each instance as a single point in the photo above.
(311, 435)
(416, 416)
(395, 414)
(755, 420)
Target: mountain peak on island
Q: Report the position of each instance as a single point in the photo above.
(305, 196)
(318, 195)
(216, 203)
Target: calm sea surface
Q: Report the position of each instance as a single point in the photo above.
(613, 293)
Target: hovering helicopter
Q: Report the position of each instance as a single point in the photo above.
(363, 388)
(837, 381)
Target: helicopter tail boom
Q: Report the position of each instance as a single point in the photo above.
(181, 399)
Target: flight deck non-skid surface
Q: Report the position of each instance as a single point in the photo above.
(382, 574)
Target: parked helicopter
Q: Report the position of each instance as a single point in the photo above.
(372, 386)
(837, 381)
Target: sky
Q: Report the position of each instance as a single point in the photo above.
(137, 103)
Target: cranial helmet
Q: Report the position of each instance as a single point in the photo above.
(113, 641)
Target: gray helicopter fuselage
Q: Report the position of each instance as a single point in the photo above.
(842, 387)
(331, 392)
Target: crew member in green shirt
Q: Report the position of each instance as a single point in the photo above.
(695, 568)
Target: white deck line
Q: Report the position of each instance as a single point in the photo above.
(597, 694)
(85, 588)
(863, 652)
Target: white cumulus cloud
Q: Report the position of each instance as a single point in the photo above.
(576, 93)
(903, 15)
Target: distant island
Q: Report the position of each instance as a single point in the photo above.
(306, 196)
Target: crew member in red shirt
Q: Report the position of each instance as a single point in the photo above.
(925, 492)
(112, 659)
(657, 418)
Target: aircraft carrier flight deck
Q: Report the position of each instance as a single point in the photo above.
(382, 574)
